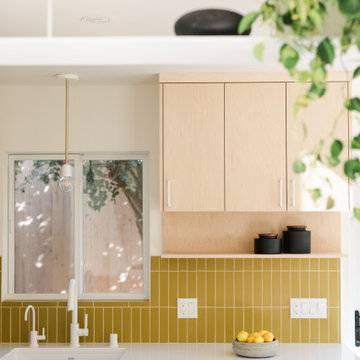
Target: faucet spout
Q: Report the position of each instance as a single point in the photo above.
(72, 305)
(33, 316)
(72, 300)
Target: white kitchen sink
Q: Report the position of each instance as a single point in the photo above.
(65, 353)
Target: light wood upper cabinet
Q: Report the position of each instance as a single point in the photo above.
(255, 147)
(193, 147)
(231, 146)
(322, 117)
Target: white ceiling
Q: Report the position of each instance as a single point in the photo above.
(128, 18)
(22, 17)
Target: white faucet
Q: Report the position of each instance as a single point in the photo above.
(75, 331)
(34, 337)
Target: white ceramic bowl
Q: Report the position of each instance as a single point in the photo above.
(252, 350)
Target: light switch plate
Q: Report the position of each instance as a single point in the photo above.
(308, 308)
(187, 308)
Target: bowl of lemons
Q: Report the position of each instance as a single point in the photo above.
(256, 345)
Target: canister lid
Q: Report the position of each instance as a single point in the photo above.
(268, 236)
(296, 227)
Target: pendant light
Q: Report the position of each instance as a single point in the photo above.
(66, 181)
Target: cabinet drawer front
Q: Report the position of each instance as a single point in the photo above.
(193, 147)
(255, 147)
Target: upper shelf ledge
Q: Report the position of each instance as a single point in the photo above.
(261, 256)
(184, 52)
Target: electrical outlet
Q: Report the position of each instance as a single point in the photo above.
(315, 308)
(187, 308)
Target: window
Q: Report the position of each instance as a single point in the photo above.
(97, 233)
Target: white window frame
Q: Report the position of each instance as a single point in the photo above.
(8, 255)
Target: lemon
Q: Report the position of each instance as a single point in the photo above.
(263, 332)
(268, 337)
(255, 334)
(250, 339)
(259, 339)
(242, 336)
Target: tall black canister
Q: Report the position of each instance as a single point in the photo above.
(297, 240)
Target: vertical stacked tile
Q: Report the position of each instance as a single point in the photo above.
(233, 294)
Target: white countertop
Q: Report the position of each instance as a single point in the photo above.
(213, 351)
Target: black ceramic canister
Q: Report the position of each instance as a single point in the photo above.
(297, 240)
(267, 244)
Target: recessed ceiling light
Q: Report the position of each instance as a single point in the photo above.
(95, 19)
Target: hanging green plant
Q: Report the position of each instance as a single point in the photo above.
(300, 23)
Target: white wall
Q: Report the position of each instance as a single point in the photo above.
(102, 118)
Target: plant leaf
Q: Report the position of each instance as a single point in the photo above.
(301, 76)
(356, 72)
(299, 166)
(305, 130)
(357, 213)
(319, 77)
(326, 51)
(289, 56)
(330, 203)
(353, 104)
(351, 8)
(333, 162)
(247, 21)
(352, 168)
(279, 24)
(316, 18)
(355, 144)
(259, 51)
(315, 194)
(357, 38)
(336, 148)
(317, 149)
(345, 42)
(316, 92)
(303, 101)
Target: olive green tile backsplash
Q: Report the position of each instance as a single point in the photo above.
(233, 294)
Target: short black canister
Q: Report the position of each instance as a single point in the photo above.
(297, 240)
(267, 244)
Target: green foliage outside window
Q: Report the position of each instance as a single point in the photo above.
(102, 180)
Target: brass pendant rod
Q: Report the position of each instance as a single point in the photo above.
(67, 122)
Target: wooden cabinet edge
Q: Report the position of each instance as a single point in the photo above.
(161, 147)
(234, 77)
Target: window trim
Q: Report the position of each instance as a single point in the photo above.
(7, 291)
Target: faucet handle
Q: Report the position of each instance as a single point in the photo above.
(41, 337)
(86, 321)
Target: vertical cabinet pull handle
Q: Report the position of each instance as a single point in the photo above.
(293, 192)
(169, 193)
(281, 193)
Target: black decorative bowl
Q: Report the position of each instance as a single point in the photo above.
(209, 22)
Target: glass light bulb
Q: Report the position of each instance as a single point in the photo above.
(66, 181)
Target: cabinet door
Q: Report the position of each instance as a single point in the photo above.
(324, 117)
(193, 147)
(255, 160)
